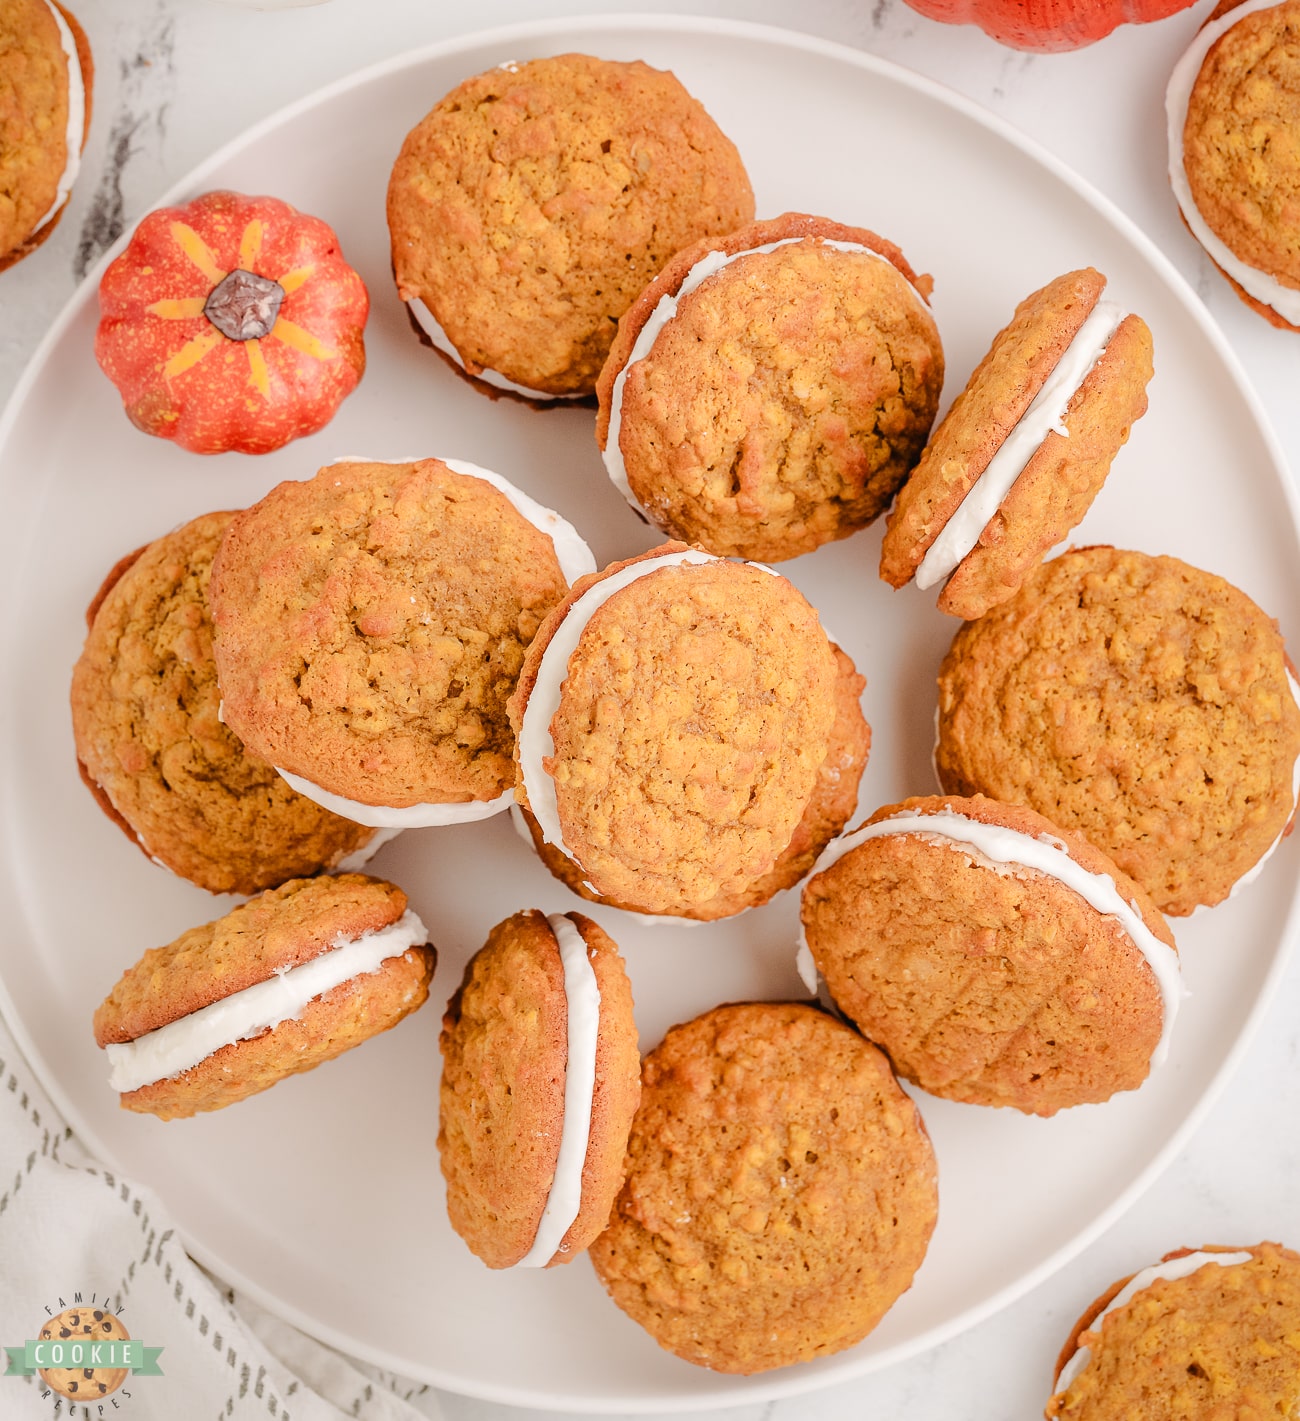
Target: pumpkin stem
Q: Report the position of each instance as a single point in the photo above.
(244, 306)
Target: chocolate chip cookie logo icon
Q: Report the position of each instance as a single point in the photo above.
(84, 1353)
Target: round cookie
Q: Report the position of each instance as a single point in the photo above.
(86, 1326)
(151, 745)
(780, 1192)
(997, 960)
(292, 978)
(370, 626)
(46, 74)
(1138, 702)
(834, 798)
(769, 391)
(1204, 1334)
(1233, 110)
(672, 716)
(532, 203)
(540, 1080)
(1024, 449)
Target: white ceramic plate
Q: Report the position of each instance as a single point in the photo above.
(322, 1197)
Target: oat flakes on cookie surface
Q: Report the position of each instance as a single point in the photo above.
(787, 395)
(780, 1193)
(151, 745)
(370, 625)
(533, 202)
(1139, 702)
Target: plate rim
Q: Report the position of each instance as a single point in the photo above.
(791, 1381)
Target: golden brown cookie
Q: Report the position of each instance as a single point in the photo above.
(540, 1080)
(1024, 449)
(780, 1191)
(1203, 1334)
(672, 716)
(770, 390)
(370, 626)
(46, 75)
(151, 746)
(834, 798)
(292, 978)
(1233, 106)
(532, 203)
(81, 1328)
(996, 959)
(1138, 702)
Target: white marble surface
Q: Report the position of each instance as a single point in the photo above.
(176, 78)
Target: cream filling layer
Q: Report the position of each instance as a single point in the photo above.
(180, 1045)
(582, 997)
(664, 311)
(1009, 848)
(1285, 300)
(359, 858)
(431, 326)
(1044, 416)
(76, 130)
(1173, 1270)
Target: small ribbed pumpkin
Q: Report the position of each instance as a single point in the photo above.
(1048, 25)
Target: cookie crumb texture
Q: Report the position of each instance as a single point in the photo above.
(1138, 702)
(1220, 1343)
(984, 984)
(535, 201)
(370, 626)
(153, 749)
(505, 1049)
(785, 402)
(695, 717)
(1241, 140)
(780, 1195)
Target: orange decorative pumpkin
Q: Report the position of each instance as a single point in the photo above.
(232, 323)
(1048, 24)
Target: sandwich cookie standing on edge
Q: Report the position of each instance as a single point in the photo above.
(998, 960)
(1025, 448)
(770, 390)
(292, 978)
(370, 626)
(540, 1080)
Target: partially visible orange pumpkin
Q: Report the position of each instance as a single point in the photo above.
(1048, 24)
(232, 323)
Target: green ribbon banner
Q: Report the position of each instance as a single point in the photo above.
(45, 1352)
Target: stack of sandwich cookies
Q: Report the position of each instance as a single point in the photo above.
(672, 717)
(46, 61)
(151, 747)
(780, 1191)
(529, 207)
(1025, 448)
(1232, 106)
(834, 798)
(288, 980)
(769, 391)
(1139, 702)
(998, 960)
(370, 626)
(1201, 1334)
(540, 1080)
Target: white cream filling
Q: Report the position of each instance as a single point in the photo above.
(1003, 846)
(388, 816)
(535, 741)
(582, 997)
(1172, 1271)
(180, 1045)
(1044, 416)
(76, 115)
(359, 858)
(664, 311)
(431, 326)
(1285, 300)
